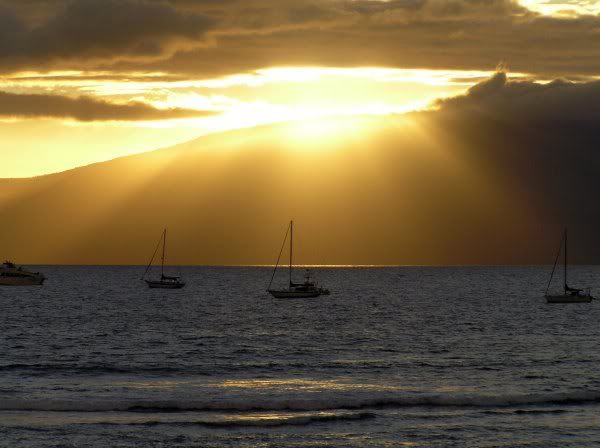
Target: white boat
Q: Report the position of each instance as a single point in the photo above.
(165, 281)
(305, 290)
(12, 275)
(569, 295)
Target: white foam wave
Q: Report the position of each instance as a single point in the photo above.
(263, 421)
(312, 403)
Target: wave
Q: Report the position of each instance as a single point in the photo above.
(300, 420)
(528, 412)
(93, 368)
(321, 402)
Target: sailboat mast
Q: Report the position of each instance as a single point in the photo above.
(565, 261)
(162, 265)
(291, 248)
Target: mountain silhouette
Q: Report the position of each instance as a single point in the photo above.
(440, 187)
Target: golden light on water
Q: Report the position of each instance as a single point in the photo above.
(296, 384)
(302, 384)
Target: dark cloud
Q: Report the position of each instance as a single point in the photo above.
(537, 142)
(209, 37)
(143, 34)
(459, 34)
(83, 31)
(85, 109)
(559, 100)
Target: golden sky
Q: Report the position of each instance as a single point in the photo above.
(393, 132)
(90, 80)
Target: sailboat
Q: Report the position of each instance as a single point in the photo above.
(569, 295)
(308, 289)
(165, 282)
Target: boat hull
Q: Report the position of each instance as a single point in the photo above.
(569, 299)
(295, 294)
(157, 284)
(22, 281)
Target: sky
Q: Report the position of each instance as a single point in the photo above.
(393, 132)
(90, 80)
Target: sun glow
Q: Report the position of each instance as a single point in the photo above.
(322, 131)
(308, 97)
(564, 9)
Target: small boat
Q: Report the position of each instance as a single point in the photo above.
(569, 295)
(307, 289)
(12, 275)
(165, 281)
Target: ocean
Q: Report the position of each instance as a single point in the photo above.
(398, 356)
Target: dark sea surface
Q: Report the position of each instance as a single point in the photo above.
(410, 356)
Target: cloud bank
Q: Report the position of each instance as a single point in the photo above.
(207, 37)
(527, 101)
(85, 109)
(87, 31)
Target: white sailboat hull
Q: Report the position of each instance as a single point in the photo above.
(291, 294)
(561, 298)
(165, 281)
(157, 284)
(306, 290)
(570, 295)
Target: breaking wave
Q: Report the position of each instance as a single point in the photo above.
(313, 403)
(299, 420)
